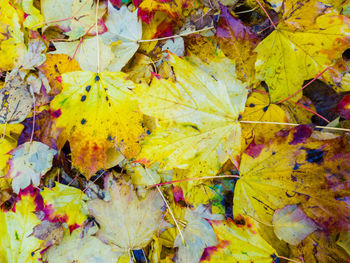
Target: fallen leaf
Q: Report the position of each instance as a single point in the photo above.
(95, 110)
(64, 203)
(126, 222)
(288, 57)
(86, 53)
(29, 162)
(201, 110)
(86, 13)
(34, 19)
(53, 68)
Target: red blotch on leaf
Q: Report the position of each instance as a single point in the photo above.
(145, 15)
(302, 132)
(56, 114)
(343, 107)
(254, 150)
(178, 194)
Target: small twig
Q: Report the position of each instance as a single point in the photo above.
(175, 36)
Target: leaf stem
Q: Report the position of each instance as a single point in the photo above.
(314, 112)
(97, 39)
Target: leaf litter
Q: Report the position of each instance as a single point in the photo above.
(174, 131)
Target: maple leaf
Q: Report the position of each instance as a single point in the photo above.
(288, 57)
(201, 110)
(30, 161)
(65, 203)
(95, 110)
(126, 222)
(16, 243)
(239, 240)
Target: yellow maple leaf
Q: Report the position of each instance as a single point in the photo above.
(97, 112)
(287, 57)
(11, 36)
(201, 111)
(127, 222)
(63, 201)
(16, 243)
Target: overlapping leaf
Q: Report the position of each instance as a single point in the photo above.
(288, 57)
(97, 112)
(200, 110)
